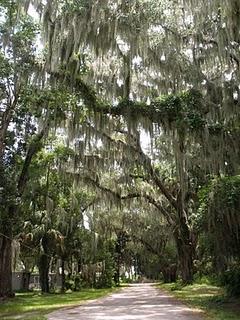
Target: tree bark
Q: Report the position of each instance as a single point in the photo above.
(6, 118)
(44, 264)
(63, 275)
(186, 262)
(33, 149)
(80, 264)
(117, 276)
(26, 280)
(6, 254)
(6, 264)
(185, 251)
(127, 76)
(6, 238)
(170, 273)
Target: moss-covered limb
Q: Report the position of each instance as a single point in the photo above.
(89, 96)
(166, 213)
(149, 246)
(119, 197)
(165, 109)
(186, 112)
(34, 147)
(184, 109)
(143, 159)
(96, 183)
(5, 121)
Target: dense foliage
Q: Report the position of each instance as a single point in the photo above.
(82, 85)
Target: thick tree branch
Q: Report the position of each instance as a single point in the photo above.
(133, 195)
(126, 108)
(149, 246)
(33, 149)
(147, 163)
(6, 119)
(88, 205)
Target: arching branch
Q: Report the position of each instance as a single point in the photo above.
(145, 160)
(169, 217)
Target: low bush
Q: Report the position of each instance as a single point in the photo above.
(231, 280)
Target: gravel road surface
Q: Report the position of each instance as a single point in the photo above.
(136, 302)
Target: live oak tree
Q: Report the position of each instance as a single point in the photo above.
(192, 44)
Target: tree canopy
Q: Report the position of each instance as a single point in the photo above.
(82, 85)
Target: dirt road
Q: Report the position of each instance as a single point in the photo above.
(136, 302)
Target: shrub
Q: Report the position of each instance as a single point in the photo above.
(231, 280)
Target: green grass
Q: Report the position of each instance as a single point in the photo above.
(33, 306)
(211, 299)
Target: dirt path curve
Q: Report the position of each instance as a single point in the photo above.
(136, 302)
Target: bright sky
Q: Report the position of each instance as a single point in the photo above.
(33, 13)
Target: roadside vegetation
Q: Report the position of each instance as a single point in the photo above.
(211, 299)
(34, 305)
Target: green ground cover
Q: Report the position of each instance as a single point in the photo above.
(211, 299)
(34, 305)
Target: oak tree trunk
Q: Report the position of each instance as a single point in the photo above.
(6, 255)
(26, 280)
(185, 251)
(5, 266)
(170, 273)
(63, 275)
(44, 264)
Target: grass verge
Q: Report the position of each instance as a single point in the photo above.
(211, 299)
(34, 305)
